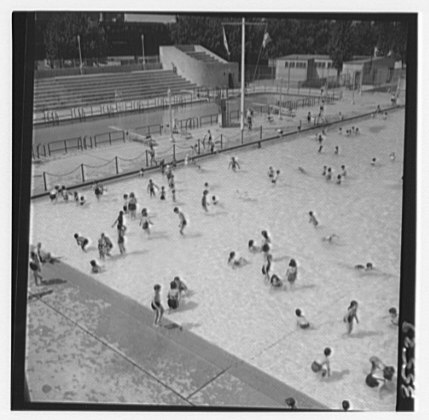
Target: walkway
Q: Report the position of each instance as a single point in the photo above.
(87, 343)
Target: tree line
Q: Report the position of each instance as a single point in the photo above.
(341, 39)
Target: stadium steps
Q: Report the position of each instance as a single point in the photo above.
(68, 92)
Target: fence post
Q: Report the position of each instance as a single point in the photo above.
(65, 146)
(260, 134)
(49, 149)
(199, 151)
(242, 136)
(116, 165)
(221, 141)
(110, 138)
(123, 136)
(82, 171)
(45, 184)
(147, 160)
(174, 152)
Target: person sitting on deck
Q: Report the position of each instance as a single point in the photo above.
(275, 281)
(394, 316)
(95, 268)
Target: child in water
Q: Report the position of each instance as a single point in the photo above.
(253, 248)
(337, 150)
(95, 268)
(266, 267)
(173, 296)
(145, 222)
(275, 281)
(275, 177)
(157, 306)
(233, 164)
(162, 194)
(329, 174)
(343, 171)
(81, 241)
(312, 219)
(271, 172)
(204, 202)
(121, 242)
(132, 205)
(236, 262)
(301, 320)
(292, 272)
(182, 219)
(338, 181)
(394, 316)
(151, 188)
(125, 205)
(266, 237)
(180, 285)
(325, 168)
(324, 366)
(351, 315)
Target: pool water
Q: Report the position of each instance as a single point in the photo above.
(235, 308)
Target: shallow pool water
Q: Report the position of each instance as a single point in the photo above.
(235, 309)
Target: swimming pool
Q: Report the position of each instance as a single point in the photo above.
(234, 308)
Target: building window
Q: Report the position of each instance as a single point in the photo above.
(300, 65)
(286, 63)
(292, 64)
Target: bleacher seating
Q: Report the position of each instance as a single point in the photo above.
(77, 91)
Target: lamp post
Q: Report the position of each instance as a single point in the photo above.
(80, 54)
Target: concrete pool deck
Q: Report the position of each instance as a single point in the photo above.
(89, 344)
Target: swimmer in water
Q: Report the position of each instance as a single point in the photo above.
(275, 281)
(98, 190)
(53, 195)
(301, 320)
(368, 267)
(81, 241)
(328, 176)
(302, 170)
(270, 172)
(337, 150)
(325, 168)
(338, 181)
(394, 316)
(151, 186)
(119, 222)
(323, 366)
(121, 242)
(173, 296)
(329, 238)
(235, 262)
(64, 193)
(266, 267)
(204, 202)
(82, 200)
(132, 205)
(292, 272)
(266, 237)
(373, 161)
(233, 164)
(182, 219)
(275, 177)
(351, 315)
(95, 268)
(141, 173)
(125, 205)
(253, 248)
(343, 171)
(156, 305)
(145, 221)
(36, 269)
(215, 200)
(180, 285)
(312, 219)
(392, 156)
(162, 193)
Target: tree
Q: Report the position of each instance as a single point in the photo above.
(340, 43)
(61, 32)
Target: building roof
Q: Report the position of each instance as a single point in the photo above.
(305, 57)
(367, 60)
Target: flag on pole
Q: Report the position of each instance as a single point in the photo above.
(267, 39)
(225, 42)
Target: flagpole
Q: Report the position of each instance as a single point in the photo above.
(243, 39)
(259, 56)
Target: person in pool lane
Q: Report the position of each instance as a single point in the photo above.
(151, 186)
(292, 272)
(145, 221)
(233, 164)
